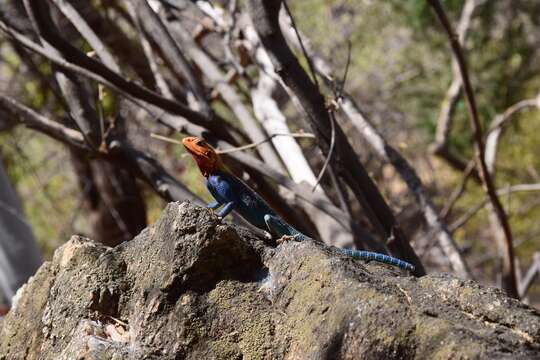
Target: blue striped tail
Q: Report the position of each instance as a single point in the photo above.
(368, 255)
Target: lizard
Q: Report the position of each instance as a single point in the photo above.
(231, 193)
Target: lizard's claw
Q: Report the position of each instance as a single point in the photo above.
(285, 238)
(215, 213)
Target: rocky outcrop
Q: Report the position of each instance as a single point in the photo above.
(190, 287)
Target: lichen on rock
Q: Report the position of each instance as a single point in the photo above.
(192, 287)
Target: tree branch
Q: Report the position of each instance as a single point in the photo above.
(530, 276)
(446, 114)
(228, 93)
(265, 14)
(34, 120)
(389, 154)
(509, 271)
(153, 26)
(499, 124)
(501, 192)
(78, 62)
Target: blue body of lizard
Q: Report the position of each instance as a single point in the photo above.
(231, 193)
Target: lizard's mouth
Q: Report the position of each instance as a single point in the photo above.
(189, 150)
(195, 146)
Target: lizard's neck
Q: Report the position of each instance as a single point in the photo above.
(213, 170)
(207, 168)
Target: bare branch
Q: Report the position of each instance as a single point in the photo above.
(509, 271)
(86, 31)
(90, 68)
(147, 48)
(330, 150)
(458, 191)
(239, 148)
(34, 120)
(446, 115)
(463, 219)
(530, 276)
(388, 153)
(156, 29)
(228, 93)
(74, 91)
(265, 14)
(306, 56)
(499, 124)
(151, 171)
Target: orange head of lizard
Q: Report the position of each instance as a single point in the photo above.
(205, 156)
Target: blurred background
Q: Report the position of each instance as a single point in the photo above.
(399, 75)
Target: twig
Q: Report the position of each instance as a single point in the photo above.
(239, 148)
(33, 119)
(306, 56)
(339, 92)
(530, 276)
(501, 192)
(446, 114)
(166, 139)
(179, 65)
(506, 116)
(499, 124)
(458, 191)
(509, 271)
(341, 193)
(330, 151)
(331, 108)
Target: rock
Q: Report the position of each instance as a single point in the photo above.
(190, 287)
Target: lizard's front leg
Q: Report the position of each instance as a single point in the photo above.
(226, 209)
(213, 205)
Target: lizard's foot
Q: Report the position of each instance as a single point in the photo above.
(286, 238)
(213, 212)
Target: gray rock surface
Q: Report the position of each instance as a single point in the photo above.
(189, 287)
